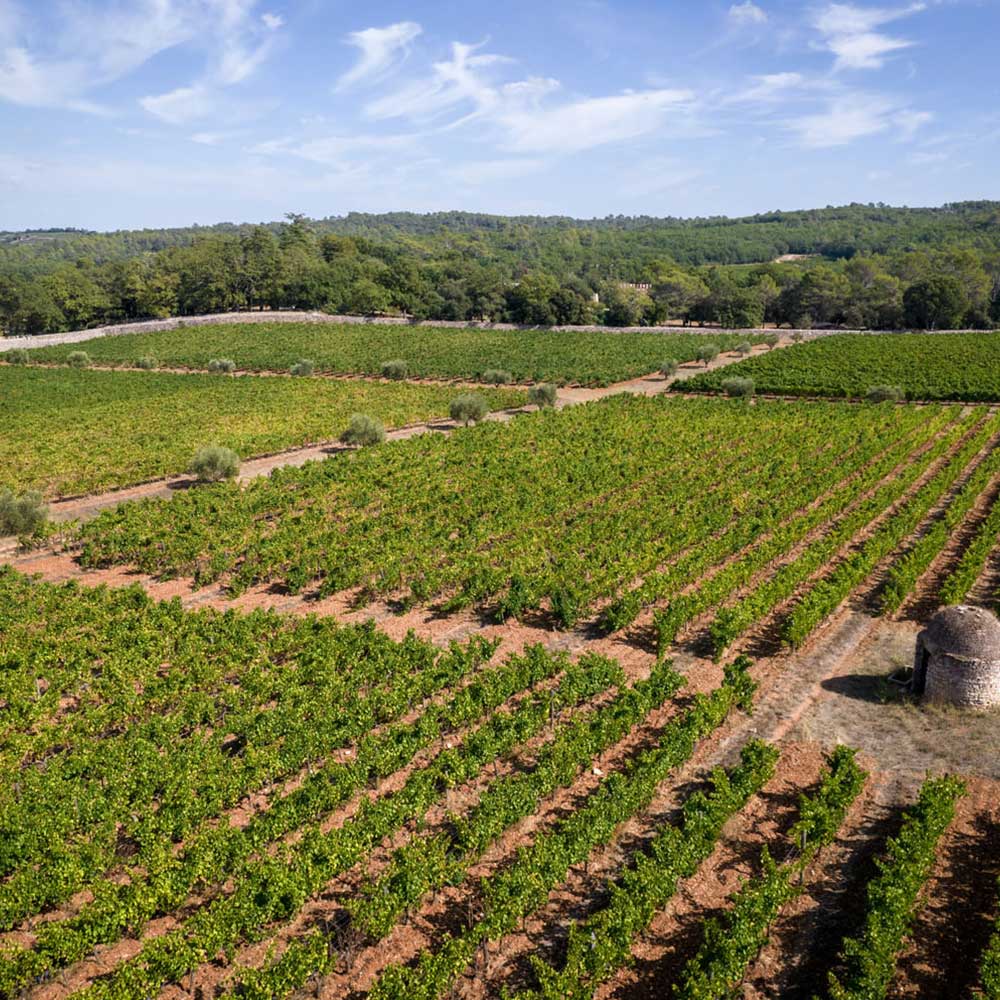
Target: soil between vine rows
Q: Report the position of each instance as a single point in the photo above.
(833, 689)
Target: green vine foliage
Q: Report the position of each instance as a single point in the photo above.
(869, 958)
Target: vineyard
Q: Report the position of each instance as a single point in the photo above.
(68, 432)
(443, 353)
(317, 787)
(603, 513)
(957, 366)
(601, 701)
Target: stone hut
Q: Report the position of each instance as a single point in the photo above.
(958, 658)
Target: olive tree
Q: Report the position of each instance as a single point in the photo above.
(214, 463)
(469, 409)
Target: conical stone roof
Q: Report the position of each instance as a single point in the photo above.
(965, 632)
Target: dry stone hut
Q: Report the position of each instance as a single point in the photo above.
(958, 658)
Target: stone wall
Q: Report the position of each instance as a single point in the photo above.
(966, 683)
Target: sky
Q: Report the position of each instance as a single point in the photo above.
(147, 113)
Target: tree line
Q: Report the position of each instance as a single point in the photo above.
(462, 267)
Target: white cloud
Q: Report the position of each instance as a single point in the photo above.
(524, 115)
(212, 138)
(185, 104)
(747, 13)
(850, 33)
(379, 49)
(591, 122)
(239, 44)
(856, 116)
(456, 81)
(771, 87)
(25, 81)
(90, 46)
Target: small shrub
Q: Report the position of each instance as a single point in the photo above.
(497, 376)
(214, 463)
(469, 409)
(744, 348)
(363, 431)
(222, 365)
(78, 359)
(395, 369)
(146, 364)
(669, 367)
(772, 340)
(707, 353)
(542, 395)
(738, 388)
(19, 356)
(24, 514)
(886, 394)
(797, 336)
(302, 367)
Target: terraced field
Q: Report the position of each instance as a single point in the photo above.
(68, 431)
(957, 366)
(527, 355)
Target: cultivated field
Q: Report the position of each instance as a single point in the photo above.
(959, 366)
(563, 706)
(68, 431)
(443, 353)
(601, 511)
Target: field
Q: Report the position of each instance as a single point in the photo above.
(595, 702)
(603, 510)
(68, 431)
(958, 366)
(443, 353)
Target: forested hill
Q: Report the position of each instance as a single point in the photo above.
(859, 266)
(617, 246)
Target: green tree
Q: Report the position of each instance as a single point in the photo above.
(530, 300)
(939, 303)
(625, 306)
(675, 293)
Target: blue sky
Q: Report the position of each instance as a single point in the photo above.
(130, 113)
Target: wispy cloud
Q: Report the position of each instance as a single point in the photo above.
(742, 14)
(590, 122)
(240, 42)
(86, 47)
(528, 115)
(850, 33)
(856, 116)
(380, 48)
(771, 87)
(460, 80)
